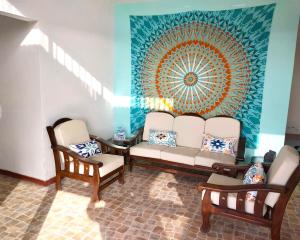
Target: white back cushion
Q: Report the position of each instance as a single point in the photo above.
(223, 127)
(157, 121)
(71, 132)
(281, 170)
(189, 131)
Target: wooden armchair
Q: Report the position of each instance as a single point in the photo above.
(99, 170)
(227, 195)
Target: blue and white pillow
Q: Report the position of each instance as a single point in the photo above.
(254, 175)
(218, 145)
(86, 149)
(167, 138)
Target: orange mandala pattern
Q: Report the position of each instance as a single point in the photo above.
(198, 73)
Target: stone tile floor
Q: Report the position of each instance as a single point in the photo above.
(151, 205)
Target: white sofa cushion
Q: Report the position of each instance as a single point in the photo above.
(110, 163)
(180, 154)
(223, 127)
(281, 170)
(231, 199)
(189, 130)
(144, 149)
(71, 132)
(207, 159)
(157, 121)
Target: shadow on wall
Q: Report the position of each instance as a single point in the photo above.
(18, 30)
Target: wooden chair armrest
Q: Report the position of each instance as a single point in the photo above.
(76, 156)
(242, 188)
(228, 169)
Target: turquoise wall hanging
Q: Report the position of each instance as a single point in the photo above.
(208, 62)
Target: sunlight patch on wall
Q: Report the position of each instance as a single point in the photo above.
(66, 60)
(36, 38)
(6, 6)
(268, 142)
(152, 103)
(156, 103)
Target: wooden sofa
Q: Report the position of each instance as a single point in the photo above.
(186, 156)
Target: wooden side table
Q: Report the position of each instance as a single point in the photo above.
(123, 143)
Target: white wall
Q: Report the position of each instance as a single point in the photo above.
(75, 52)
(293, 124)
(20, 118)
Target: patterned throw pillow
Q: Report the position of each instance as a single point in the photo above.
(167, 138)
(219, 145)
(87, 149)
(254, 175)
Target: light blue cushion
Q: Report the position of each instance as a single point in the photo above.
(254, 175)
(86, 149)
(167, 138)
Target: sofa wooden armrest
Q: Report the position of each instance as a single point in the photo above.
(241, 149)
(233, 170)
(229, 170)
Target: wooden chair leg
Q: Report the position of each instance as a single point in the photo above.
(96, 188)
(205, 222)
(206, 203)
(275, 232)
(122, 177)
(58, 182)
(276, 223)
(130, 164)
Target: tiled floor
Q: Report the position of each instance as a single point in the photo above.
(151, 205)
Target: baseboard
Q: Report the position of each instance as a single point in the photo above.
(26, 178)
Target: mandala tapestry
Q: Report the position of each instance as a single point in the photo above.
(211, 63)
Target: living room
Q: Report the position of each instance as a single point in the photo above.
(158, 90)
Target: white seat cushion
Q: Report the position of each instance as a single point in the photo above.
(189, 131)
(231, 199)
(157, 121)
(223, 127)
(180, 154)
(207, 159)
(144, 149)
(110, 163)
(281, 170)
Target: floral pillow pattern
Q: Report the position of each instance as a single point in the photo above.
(87, 149)
(167, 138)
(254, 175)
(218, 145)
